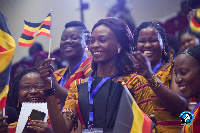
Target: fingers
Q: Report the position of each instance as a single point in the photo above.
(39, 126)
(4, 118)
(191, 14)
(3, 125)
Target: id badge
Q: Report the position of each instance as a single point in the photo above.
(93, 130)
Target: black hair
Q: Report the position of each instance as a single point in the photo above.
(124, 38)
(162, 33)
(193, 3)
(35, 48)
(194, 51)
(80, 25)
(12, 97)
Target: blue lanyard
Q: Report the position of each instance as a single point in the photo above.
(156, 67)
(73, 70)
(93, 93)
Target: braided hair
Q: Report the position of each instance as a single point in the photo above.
(162, 33)
(12, 98)
(124, 38)
(194, 51)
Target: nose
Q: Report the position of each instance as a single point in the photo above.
(178, 79)
(147, 44)
(33, 90)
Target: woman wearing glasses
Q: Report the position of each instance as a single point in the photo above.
(28, 87)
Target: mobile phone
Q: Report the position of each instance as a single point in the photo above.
(37, 115)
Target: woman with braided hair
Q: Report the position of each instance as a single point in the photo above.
(111, 47)
(153, 57)
(187, 71)
(27, 87)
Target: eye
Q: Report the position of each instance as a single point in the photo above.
(102, 40)
(63, 38)
(39, 87)
(141, 41)
(92, 41)
(154, 40)
(26, 87)
(182, 73)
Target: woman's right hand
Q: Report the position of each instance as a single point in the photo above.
(3, 125)
(144, 65)
(46, 70)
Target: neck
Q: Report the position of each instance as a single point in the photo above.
(73, 61)
(107, 69)
(154, 64)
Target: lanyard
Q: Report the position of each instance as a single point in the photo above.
(156, 67)
(92, 94)
(63, 81)
(195, 107)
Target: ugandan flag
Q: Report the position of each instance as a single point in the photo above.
(32, 30)
(130, 119)
(7, 49)
(195, 23)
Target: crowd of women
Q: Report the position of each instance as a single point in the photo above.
(86, 94)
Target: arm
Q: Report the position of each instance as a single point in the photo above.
(58, 120)
(169, 97)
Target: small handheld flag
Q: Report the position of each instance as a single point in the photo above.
(32, 30)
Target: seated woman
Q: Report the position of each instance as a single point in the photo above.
(27, 87)
(111, 47)
(187, 71)
(150, 39)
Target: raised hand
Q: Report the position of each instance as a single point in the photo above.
(39, 127)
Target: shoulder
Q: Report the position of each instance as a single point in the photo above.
(59, 73)
(135, 81)
(87, 61)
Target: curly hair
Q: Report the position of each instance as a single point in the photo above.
(162, 33)
(12, 98)
(124, 38)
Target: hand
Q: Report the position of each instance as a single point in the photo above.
(143, 64)
(3, 125)
(39, 127)
(46, 70)
(191, 14)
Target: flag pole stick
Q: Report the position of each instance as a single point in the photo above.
(50, 35)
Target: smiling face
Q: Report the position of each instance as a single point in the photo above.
(72, 43)
(187, 71)
(103, 45)
(149, 40)
(186, 40)
(32, 95)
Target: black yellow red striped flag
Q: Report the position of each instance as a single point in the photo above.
(32, 30)
(7, 49)
(130, 118)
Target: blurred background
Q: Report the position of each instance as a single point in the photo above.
(133, 11)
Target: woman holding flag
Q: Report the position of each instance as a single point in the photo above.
(95, 101)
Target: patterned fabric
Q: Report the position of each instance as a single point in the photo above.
(194, 126)
(166, 122)
(81, 72)
(133, 81)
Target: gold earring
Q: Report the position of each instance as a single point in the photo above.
(18, 103)
(119, 49)
(165, 53)
(86, 49)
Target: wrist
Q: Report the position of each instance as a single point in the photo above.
(49, 92)
(154, 82)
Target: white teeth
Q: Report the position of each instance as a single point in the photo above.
(181, 88)
(149, 52)
(32, 99)
(97, 52)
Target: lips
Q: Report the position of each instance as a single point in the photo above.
(149, 52)
(97, 53)
(33, 99)
(182, 89)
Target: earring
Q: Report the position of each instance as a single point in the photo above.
(165, 53)
(18, 103)
(86, 49)
(119, 49)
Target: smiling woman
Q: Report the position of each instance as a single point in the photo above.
(28, 87)
(153, 57)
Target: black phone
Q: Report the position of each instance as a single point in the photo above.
(37, 115)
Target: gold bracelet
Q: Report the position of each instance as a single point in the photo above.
(154, 82)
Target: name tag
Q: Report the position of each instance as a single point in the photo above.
(93, 130)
